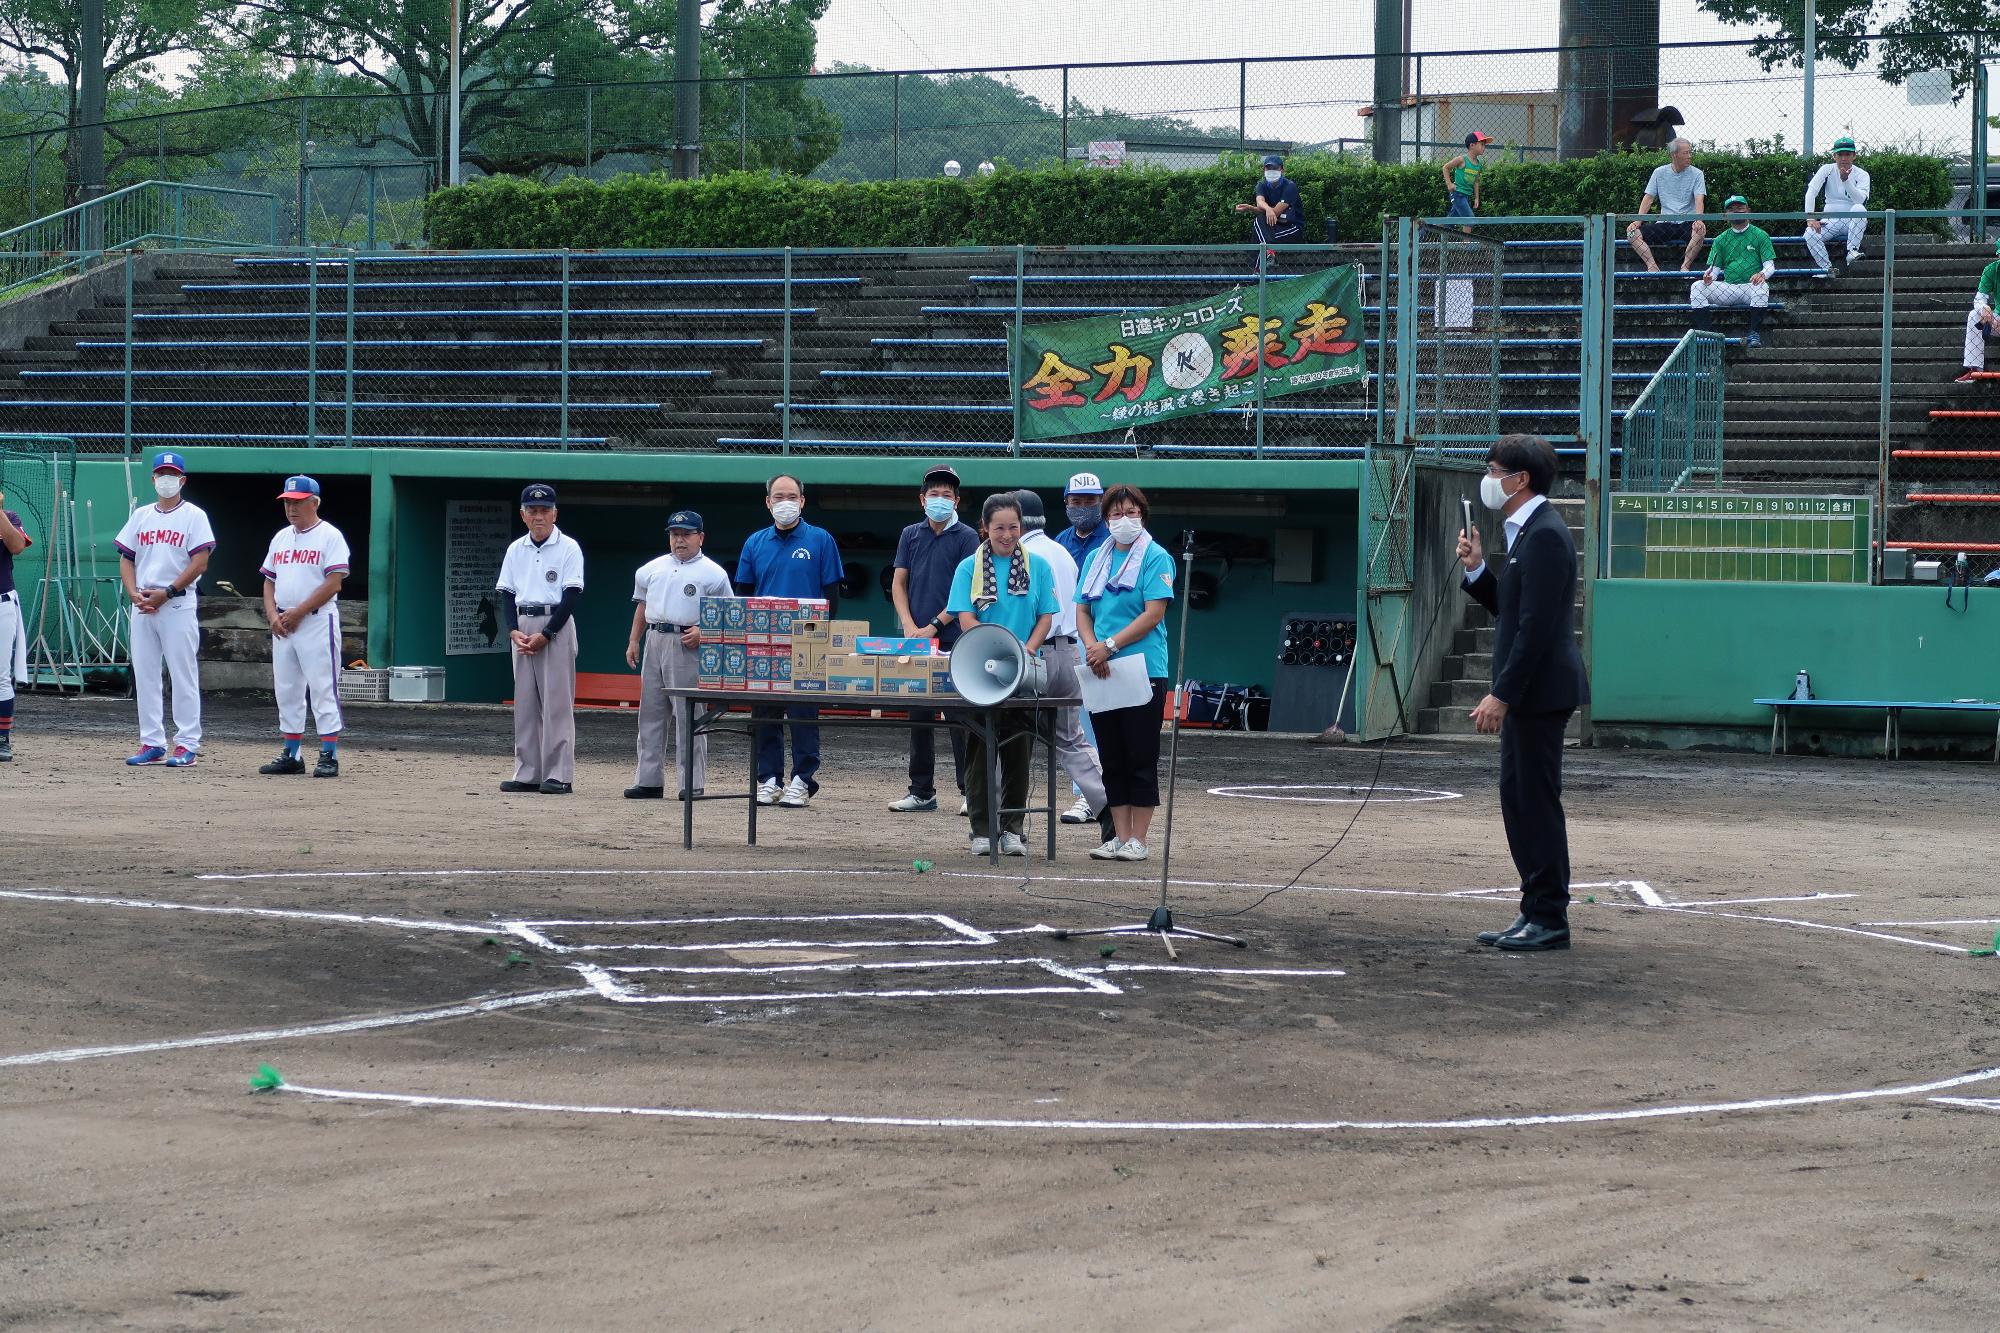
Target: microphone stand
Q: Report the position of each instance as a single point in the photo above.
(1162, 922)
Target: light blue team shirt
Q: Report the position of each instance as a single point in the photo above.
(1113, 611)
(1016, 612)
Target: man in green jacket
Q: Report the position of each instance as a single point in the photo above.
(1740, 263)
(1983, 323)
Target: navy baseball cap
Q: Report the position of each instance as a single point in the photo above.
(1273, 160)
(944, 470)
(540, 493)
(299, 488)
(685, 518)
(170, 462)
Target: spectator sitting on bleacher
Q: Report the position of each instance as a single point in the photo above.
(1740, 263)
(1846, 187)
(1983, 324)
(1679, 188)
(1279, 219)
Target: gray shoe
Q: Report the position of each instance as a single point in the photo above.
(982, 847)
(6, 747)
(1011, 845)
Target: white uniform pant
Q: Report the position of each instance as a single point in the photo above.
(1851, 229)
(11, 657)
(168, 637)
(1755, 295)
(1975, 340)
(1076, 756)
(667, 663)
(306, 665)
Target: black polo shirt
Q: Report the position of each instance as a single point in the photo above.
(932, 559)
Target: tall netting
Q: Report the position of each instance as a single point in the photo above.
(72, 608)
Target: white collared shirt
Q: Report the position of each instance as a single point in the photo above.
(1511, 526)
(298, 562)
(672, 588)
(1842, 196)
(1063, 566)
(537, 575)
(160, 542)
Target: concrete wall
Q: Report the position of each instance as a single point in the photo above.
(1671, 654)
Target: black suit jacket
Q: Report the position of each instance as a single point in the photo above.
(1536, 666)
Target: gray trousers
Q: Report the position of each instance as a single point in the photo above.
(545, 706)
(667, 663)
(1075, 754)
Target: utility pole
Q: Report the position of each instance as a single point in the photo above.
(1806, 149)
(687, 90)
(453, 173)
(1388, 111)
(90, 103)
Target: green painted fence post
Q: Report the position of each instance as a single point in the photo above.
(347, 373)
(563, 432)
(128, 354)
(312, 349)
(785, 400)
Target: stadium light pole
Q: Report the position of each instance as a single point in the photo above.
(1811, 59)
(453, 175)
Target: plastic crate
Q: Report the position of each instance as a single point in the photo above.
(366, 687)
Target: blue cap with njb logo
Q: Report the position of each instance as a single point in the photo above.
(299, 488)
(685, 518)
(170, 462)
(541, 493)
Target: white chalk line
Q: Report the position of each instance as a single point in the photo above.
(467, 1010)
(283, 913)
(1811, 925)
(1219, 971)
(1962, 921)
(605, 983)
(511, 872)
(1153, 1126)
(1368, 795)
(962, 934)
(1739, 902)
(1971, 1103)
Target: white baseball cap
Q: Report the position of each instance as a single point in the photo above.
(1084, 483)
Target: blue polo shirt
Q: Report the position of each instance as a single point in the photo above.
(799, 563)
(1079, 545)
(1017, 612)
(1286, 191)
(932, 559)
(1113, 611)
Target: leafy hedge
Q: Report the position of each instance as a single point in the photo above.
(1079, 206)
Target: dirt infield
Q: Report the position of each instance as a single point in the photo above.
(537, 1080)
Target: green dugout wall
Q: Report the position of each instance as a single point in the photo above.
(392, 506)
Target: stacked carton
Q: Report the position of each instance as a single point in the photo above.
(778, 645)
(746, 642)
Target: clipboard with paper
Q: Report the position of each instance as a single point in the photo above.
(1127, 686)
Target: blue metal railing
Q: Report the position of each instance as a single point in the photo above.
(168, 215)
(1673, 429)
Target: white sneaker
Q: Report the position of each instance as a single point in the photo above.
(1109, 851)
(964, 807)
(1080, 813)
(982, 847)
(1011, 845)
(913, 803)
(1133, 850)
(767, 792)
(796, 796)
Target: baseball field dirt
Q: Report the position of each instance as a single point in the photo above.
(544, 1068)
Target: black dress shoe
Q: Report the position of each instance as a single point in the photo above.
(520, 786)
(645, 793)
(1494, 936)
(1535, 937)
(554, 788)
(682, 794)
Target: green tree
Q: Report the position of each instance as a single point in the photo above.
(1916, 35)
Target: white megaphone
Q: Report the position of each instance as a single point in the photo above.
(989, 666)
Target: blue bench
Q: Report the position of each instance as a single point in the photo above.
(1226, 410)
(1558, 342)
(937, 342)
(574, 313)
(1892, 731)
(1573, 242)
(1033, 279)
(117, 373)
(458, 284)
(1007, 311)
(244, 404)
(332, 437)
(219, 344)
(913, 374)
(1107, 447)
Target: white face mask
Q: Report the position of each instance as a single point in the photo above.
(1274, 176)
(786, 512)
(1126, 530)
(1493, 491)
(167, 485)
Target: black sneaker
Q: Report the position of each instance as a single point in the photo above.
(328, 765)
(645, 793)
(283, 765)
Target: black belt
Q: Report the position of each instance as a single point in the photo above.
(662, 627)
(10, 596)
(533, 609)
(170, 592)
(1060, 638)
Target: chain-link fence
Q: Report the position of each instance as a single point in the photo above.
(342, 162)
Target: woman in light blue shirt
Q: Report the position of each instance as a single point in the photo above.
(1000, 584)
(1121, 611)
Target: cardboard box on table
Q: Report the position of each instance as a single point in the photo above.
(906, 675)
(852, 673)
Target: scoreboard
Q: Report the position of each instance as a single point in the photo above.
(1740, 538)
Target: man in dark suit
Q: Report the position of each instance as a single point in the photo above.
(1538, 679)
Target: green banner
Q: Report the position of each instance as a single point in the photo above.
(1109, 372)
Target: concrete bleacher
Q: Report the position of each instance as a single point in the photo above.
(907, 353)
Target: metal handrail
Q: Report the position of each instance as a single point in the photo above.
(149, 214)
(1644, 466)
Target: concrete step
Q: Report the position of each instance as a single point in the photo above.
(1452, 721)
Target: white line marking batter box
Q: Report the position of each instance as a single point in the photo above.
(929, 979)
(871, 930)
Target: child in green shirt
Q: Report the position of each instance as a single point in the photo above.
(1461, 177)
